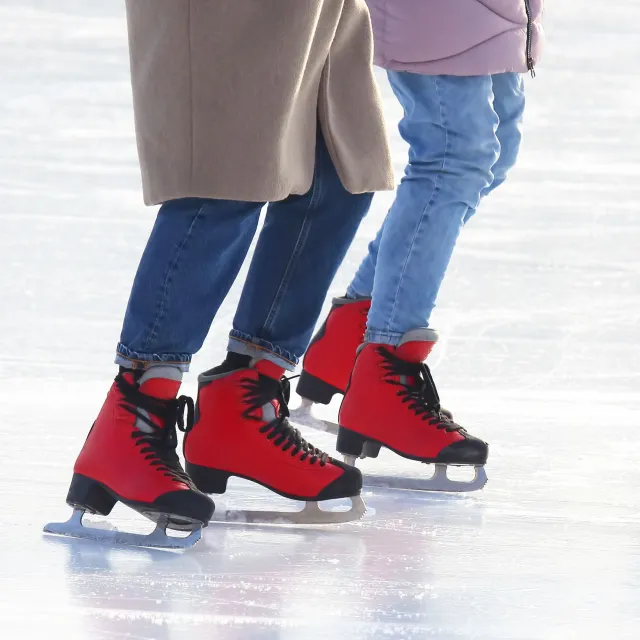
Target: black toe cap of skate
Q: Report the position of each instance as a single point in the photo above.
(347, 485)
(193, 506)
(471, 450)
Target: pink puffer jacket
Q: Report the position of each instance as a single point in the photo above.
(457, 37)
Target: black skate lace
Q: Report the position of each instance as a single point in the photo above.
(264, 390)
(420, 394)
(364, 312)
(159, 445)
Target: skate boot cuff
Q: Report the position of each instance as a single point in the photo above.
(416, 344)
(237, 361)
(268, 368)
(161, 371)
(340, 302)
(232, 362)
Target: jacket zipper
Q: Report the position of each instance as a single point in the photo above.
(530, 64)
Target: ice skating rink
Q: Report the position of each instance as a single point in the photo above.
(540, 355)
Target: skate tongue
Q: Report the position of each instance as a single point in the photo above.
(268, 368)
(161, 382)
(272, 409)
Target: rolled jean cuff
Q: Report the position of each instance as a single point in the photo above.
(125, 357)
(246, 345)
(391, 338)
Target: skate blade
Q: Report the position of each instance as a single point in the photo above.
(310, 514)
(303, 417)
(439, 481)
(157, 539)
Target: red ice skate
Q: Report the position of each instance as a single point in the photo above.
(392, 402)
(331, 355)
(130, 456)
(242, 430)
(329, 361)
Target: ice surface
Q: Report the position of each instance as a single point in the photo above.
(540, 318)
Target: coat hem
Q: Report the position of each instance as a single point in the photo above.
(155, 197)
(433, 69)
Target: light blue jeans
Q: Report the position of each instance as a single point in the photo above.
(464, 134)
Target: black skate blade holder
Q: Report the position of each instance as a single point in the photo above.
(157, 539)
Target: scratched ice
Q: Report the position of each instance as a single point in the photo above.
(540, 355)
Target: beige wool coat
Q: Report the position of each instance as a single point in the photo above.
(228, 95)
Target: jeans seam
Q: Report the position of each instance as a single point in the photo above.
(436, 190)
(300, 242)
(167, 280)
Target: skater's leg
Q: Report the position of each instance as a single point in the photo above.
(509, 104)
(450, 124)
(326, 368)
(301, 246)
(241, 429)
(329, 360)
(193, 255)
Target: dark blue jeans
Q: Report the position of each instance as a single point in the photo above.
(193, 256)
